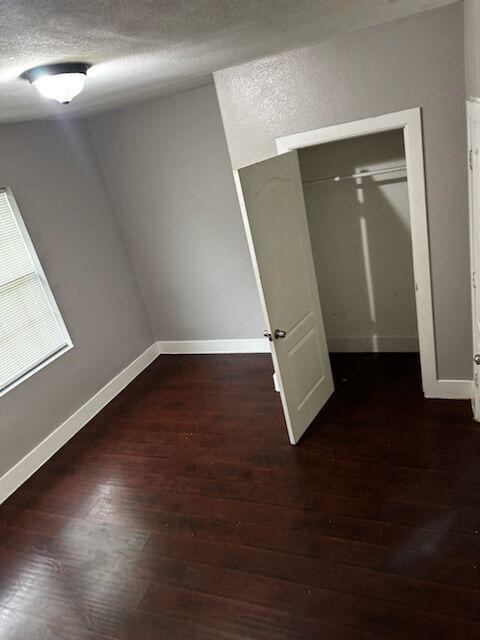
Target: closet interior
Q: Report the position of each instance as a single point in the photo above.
(357, 207)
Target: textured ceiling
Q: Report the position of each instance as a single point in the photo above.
(143, 48)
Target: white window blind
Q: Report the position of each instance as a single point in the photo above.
(32, 332)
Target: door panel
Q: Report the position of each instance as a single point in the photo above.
(275, 220)
(474, 196)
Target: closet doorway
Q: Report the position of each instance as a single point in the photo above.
(337, 231)
(356, 199)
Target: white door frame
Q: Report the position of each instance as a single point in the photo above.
(410, 121)
(473, 115)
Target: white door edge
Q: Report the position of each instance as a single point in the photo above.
(473, 116)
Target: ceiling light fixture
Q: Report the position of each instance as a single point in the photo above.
(61, 82)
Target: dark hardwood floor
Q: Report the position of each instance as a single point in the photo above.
(181, 512)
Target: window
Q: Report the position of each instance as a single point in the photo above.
(32, 332)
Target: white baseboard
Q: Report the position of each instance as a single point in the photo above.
(247, 345)
(373, 344)
(27, 466)
(450, 390)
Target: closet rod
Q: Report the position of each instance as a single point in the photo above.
(363, 174)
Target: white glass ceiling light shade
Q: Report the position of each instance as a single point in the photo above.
(60, 82)
(62, 87)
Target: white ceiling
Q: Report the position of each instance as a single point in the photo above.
(146, 48)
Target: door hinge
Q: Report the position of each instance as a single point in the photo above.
(470, 159)
(474, 280)
(475, 379)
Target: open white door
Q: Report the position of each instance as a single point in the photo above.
(275, 221)
(474, 200)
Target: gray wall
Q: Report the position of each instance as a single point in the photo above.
(472, 47)
(167, 167)
(361, 242)
(417, 61)
(55, 178)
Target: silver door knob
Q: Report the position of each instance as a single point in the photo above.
(476, 358)
(279, 333)
(268, 335)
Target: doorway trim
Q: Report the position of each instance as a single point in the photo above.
(410, 122)
(473, 119)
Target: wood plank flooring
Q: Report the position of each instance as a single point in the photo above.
(181, 512)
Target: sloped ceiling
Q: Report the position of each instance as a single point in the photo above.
(146, 48)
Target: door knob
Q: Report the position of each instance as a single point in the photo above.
(268, 335)
(280, 333)
(476, 358)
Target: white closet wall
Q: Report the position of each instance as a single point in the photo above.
(360, 230)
